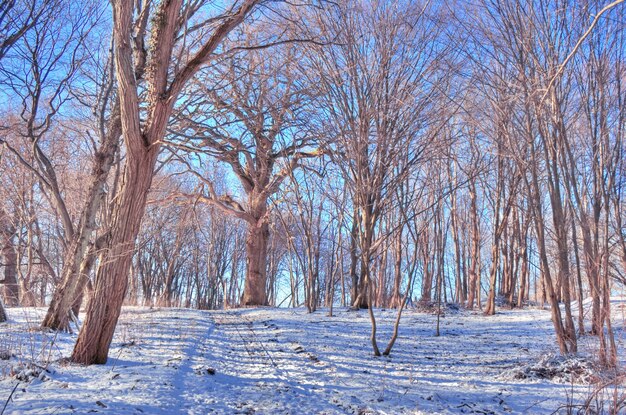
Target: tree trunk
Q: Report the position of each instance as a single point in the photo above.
(381, 295)
(170, 272)
(10, 293)
(396, 299)
(557, 321)
(3, 314)
(104, 309)
(68, 297)
(579, 280)
(490, 309)
(524, 265)
(473, 290)
(428, 261)
(361, 300)
(354, 277)
(27, 297)
(254, 293)
(607, 357)
(561, 230)
(491, 298)
(566, 343)
(366, 237)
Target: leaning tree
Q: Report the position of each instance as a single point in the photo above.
(169, 44)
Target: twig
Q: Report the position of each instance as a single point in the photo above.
(577, 46)
(9, 398)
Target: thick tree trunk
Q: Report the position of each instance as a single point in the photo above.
(608, 353)
(66, 296)
(360, 232)
(104, 309)
(460, 294)
(564, 276)
(366, 237)
(362, 300)
(10, 291)
(313, 275)
(254, 293)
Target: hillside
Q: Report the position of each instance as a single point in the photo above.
(285, 361)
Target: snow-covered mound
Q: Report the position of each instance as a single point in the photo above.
(567, 370)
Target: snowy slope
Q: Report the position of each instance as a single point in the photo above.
(285, 361)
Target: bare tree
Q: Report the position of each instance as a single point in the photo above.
(380, 106)
(258, 128)
(10, 292)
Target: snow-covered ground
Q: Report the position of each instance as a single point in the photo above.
(285, 361)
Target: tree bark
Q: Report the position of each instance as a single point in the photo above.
(354, 259)
(428, 263)
(254, 292)
(524, 263)
(473, 290)
(10, 291)
(499, 223)
(396, 299)
(104, 309)
(566, 343)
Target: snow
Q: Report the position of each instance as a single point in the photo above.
(286, 361)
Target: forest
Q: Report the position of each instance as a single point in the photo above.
(368, 155)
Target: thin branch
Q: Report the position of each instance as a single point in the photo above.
(577, 46)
